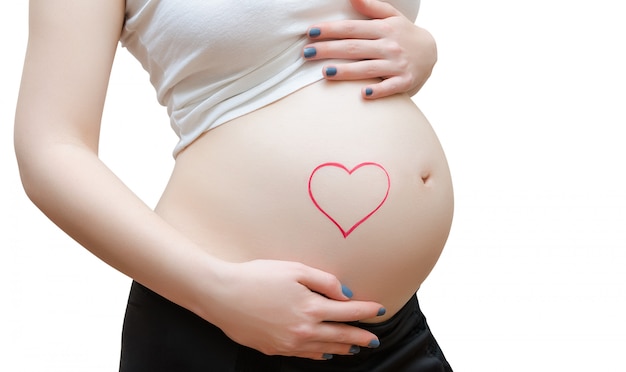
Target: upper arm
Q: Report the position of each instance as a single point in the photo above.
(70, 52)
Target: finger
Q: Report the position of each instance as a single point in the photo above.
(360, 70)
(338, 339)
(387, 88)
(355, 49)
(319, 355)
(347, 29)
(374, 8)
(346, 311)
(314, 356)
(324, 283)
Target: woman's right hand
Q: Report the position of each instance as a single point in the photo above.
(287, 308)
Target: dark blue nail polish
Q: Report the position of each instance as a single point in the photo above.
(346, 291)
(381, 311)
(374, 344)
(315, 32)
(369, 91)
(327, 356)
(354, 349)
(331, 71)
(309, 52)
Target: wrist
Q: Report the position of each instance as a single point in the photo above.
(204, 284)
(188, 276)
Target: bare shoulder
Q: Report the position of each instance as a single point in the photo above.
(60, 15)
(72, 27)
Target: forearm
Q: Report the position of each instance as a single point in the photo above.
(84, 198)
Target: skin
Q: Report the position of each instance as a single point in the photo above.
(69, 57)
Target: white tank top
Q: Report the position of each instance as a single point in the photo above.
(211, 61)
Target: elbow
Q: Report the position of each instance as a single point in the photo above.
(29, 181)
(34, 164)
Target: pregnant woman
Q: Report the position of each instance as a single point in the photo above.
(301, 217)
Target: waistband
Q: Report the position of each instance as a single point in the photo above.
(407, 321)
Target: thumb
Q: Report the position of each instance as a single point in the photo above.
(325, 284)
(375, 9)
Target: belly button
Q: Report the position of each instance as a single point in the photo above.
(425, 177)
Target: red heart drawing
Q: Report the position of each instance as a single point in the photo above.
(345, 231)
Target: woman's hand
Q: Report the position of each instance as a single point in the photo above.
(287, 308)
(389, 47)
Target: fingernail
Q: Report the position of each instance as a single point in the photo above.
(331, 71)
(327, 356)
(354, 349)
(309, 52)
(374, 344)
(346, 291)
(381, 311)
(315, 32)
(369, 91)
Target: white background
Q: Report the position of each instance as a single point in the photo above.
(528, 99)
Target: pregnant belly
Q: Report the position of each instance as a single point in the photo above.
(357, 188)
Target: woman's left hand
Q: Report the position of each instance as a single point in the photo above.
(389, 46)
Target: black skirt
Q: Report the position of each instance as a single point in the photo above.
(159, 335)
